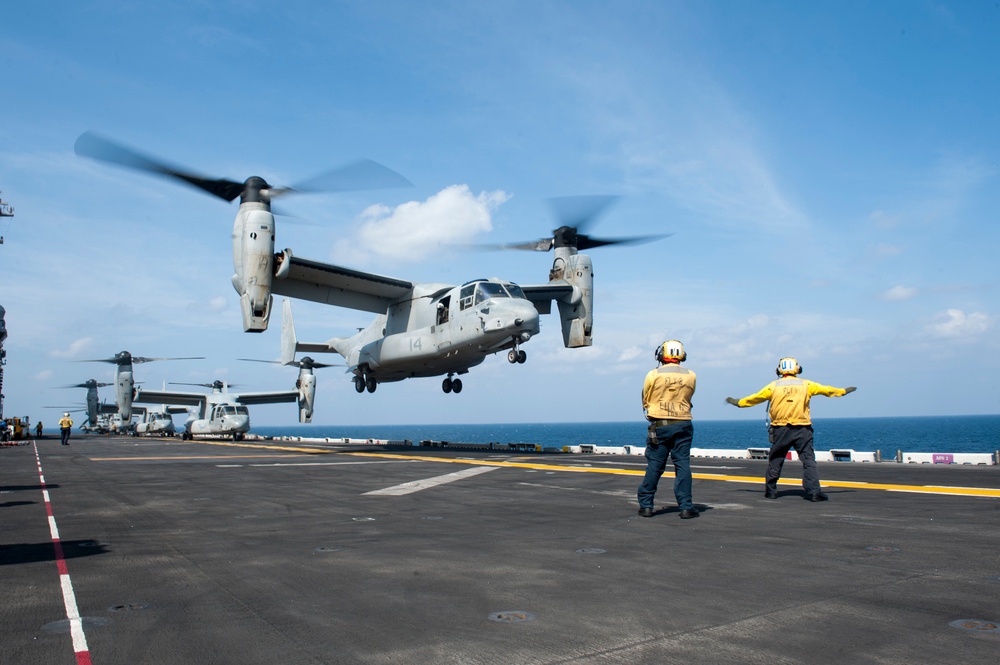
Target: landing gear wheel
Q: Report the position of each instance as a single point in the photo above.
(371, 384)
(359, 384)
(446, 385)
(512, 356)
(456, 386)
(521, 357)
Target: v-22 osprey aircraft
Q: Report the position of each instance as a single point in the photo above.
(221, 413)
(421, 329)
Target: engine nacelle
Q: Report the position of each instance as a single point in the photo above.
(577, 313)
(307, 394)
(253, 261)
(124, 393)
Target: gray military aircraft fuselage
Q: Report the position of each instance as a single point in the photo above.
(440, 330)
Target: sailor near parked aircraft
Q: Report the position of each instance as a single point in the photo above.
(424, 329)
(221, 413)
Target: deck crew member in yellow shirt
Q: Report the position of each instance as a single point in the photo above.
(666, 399)
(791, 426)
(65, 425)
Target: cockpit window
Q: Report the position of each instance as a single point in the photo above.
(487, 290)
(242, 411)
(515, 291)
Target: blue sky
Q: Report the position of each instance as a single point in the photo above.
(829, 172)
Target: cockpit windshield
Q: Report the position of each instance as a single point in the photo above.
(487, 290)
(235, 411)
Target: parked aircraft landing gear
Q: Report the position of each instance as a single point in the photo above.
(451, 385)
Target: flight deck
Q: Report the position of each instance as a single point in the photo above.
(124, 550)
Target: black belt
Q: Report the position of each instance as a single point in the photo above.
(667, 421)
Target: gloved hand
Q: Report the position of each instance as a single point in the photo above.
(733, 401)
(848, 390)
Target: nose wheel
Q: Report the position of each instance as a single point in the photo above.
(451, 385)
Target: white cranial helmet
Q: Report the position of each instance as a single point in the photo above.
(788, 366)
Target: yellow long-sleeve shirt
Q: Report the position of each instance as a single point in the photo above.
(667, 391)
(65, 422)
(789, 397)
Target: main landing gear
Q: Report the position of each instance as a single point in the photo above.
(516, 356)
(451, 385)
(365, 383)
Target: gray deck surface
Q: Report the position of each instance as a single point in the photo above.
(183, 552)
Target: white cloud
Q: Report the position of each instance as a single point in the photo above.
(413, 230)
(74, 349)
(898, 293)
(218, 304)
(954, 323)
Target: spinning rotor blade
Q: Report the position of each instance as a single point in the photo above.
(124, 358)
(363, 174)
(356, 176)
(88, 385)
(214, 384)
(137, 359)
(576, 213)
(306, 361)
(580, 211)
(95, 147)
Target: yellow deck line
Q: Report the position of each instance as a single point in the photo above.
(755, 480)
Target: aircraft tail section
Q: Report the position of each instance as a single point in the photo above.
(288, 340)
(290, 344)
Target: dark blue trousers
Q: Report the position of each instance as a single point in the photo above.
(672, 441)
(783, 439)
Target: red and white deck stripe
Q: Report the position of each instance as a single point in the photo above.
(69, 598)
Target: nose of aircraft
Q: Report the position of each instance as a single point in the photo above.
(238, 423)
(524, 317)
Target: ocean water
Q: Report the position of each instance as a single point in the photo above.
(925, 434)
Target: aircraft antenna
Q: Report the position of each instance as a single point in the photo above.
(6, 210)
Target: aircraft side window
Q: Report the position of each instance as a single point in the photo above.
(442, 310)
(466, 296)
(515, 291)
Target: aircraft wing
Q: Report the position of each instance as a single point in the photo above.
(336, 285)
(107, 408)
(542, 295)
(169, 397)
(267, 398)
(176, 409)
